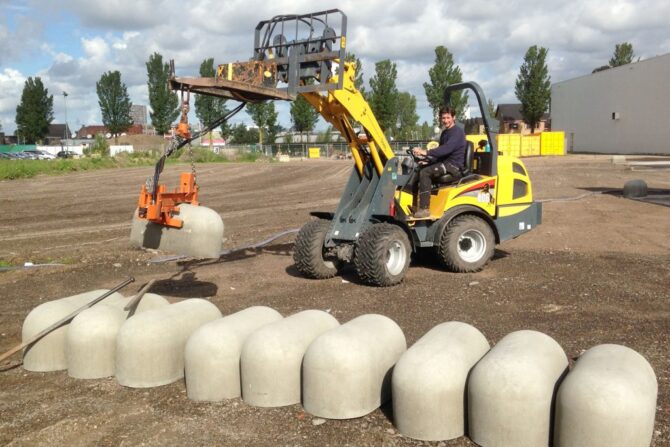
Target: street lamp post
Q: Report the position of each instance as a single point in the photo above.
(67, 145)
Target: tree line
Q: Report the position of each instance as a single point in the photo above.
(395, 110)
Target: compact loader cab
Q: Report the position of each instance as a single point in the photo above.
(489, 202)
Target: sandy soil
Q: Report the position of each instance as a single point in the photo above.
(596, 271)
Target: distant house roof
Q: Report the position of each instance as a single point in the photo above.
(94, 130)
(512, 112)
(58, 131)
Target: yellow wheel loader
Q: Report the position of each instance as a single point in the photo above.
(489, 201)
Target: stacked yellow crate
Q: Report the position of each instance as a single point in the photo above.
(530, 145)
(552, 143)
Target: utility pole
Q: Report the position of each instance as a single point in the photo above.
(67, 149)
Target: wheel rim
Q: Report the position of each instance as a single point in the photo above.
(395, 258)
(471, 245)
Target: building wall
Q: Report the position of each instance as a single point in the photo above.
(637, 94)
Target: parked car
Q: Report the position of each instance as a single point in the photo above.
(42, 155)
(66, 154)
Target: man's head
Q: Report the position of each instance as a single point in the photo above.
(447, 117)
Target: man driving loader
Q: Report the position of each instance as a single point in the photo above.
(447, 158)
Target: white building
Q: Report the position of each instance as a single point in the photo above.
(623, 110)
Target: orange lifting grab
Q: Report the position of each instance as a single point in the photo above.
(162, 210)
(160, 206)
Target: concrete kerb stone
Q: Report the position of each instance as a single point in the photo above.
(347, 371)
(511, 390)
(635, 188)
(212, 354)
(90, 344)
(150, 345)
(429, 382)
(49, 353)
(272, 356)
(607, 400)
(201, 235)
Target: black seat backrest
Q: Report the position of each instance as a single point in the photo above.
(469, 155)
(466, 170)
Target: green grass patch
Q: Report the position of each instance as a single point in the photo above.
(15, 169)
(5, 264)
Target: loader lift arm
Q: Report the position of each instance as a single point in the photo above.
(294, 55)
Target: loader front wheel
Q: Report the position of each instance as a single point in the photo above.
(309, 254)
(467, 244)
(383, 255)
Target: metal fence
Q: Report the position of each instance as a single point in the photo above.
(326, 150)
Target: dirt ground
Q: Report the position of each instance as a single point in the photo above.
(596, 271)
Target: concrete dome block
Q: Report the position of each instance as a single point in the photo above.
(429, 382)
(271, 358)
(48, 353)
(201, 235)
(608, 400)
(150, 345)
(510, 391)
(149, 301)
(212, 355)
(91, 342)
(347, 371)
(635, 188)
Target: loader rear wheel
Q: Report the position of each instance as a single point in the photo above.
(309, 254)
(467, 244)
(383, 255)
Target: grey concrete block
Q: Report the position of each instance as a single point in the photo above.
(48, 353)
(91, 342)
(272, 355)
(150, 345)
(635, 188)
(607, 400)
(510, 391)
(201, 236)
(347, 371)
(212, 355)
(429, 382)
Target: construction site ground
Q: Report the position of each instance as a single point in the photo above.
(596, 271)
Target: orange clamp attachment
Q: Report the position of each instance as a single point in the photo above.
(163, 209)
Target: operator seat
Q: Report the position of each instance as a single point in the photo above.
(465, 171)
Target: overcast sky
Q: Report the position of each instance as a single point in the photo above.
(71, 43)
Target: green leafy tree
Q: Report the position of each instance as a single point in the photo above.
(623, 54)
(99, 147)
(358, 80)
(239, 134)
(114, 103)
(35, 111)
(383, 97)
(442, 74)
(264, 115)
(303, 115)
(164, 103)
(407, 116)
(533, 86)
(427, 131)
(209, 108)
